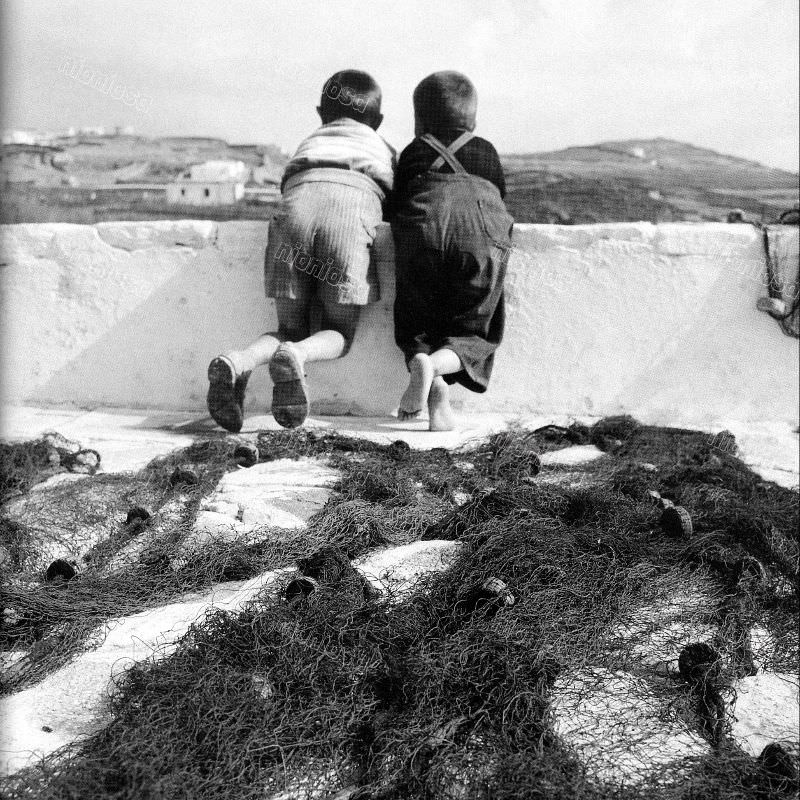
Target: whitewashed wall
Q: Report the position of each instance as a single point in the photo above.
(656, 320)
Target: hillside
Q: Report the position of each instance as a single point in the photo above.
(88, 179)
(98, 161)
(658, 180)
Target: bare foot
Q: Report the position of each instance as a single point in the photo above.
(415, 396)
(440, 413)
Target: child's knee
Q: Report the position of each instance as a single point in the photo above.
(292, 333)
(347, 333)
(293, 322)
(343, 319)
(348, 342)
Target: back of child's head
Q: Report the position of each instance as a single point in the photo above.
(354, 94)
(445, 101)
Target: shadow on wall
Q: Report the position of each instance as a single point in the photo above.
(656, 321)
(722, 359)
(138, 328)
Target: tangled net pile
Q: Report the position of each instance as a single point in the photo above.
(448, 692)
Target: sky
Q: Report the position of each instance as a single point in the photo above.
(549, 73)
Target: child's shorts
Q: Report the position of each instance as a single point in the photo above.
(320, 243)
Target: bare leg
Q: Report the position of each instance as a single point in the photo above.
(339, 324)
(423, 370)
(227, 380)
(427, 387)
(228, 373)
(415, 397)
(446, 362)
(290, 402)
(440, 414)
(255, 355)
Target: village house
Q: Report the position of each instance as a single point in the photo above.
(212, 183)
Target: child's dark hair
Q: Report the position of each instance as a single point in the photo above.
(354, 94)
(445, 101)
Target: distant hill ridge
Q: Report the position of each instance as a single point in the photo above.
(653, 179)
(657, 180)
(659, 146)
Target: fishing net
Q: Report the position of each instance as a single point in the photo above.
(572, 585)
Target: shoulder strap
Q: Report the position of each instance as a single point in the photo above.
(446, 154)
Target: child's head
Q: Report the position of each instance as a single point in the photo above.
(444, 101)
(354, 94)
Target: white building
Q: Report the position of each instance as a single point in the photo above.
(213, 183)
(218, 171)
(92, 130)
(20, 137)
(205, 193)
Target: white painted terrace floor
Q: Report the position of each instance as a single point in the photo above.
(128, 439)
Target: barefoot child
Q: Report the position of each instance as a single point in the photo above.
(452, 238)
(318, 255)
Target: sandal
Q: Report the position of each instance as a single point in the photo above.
(290, 391)
(226, 392)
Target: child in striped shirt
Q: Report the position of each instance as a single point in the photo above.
(318, 253)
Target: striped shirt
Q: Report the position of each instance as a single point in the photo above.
(347, 144)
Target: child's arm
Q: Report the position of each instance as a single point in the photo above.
(495, 168)
(401, 180)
